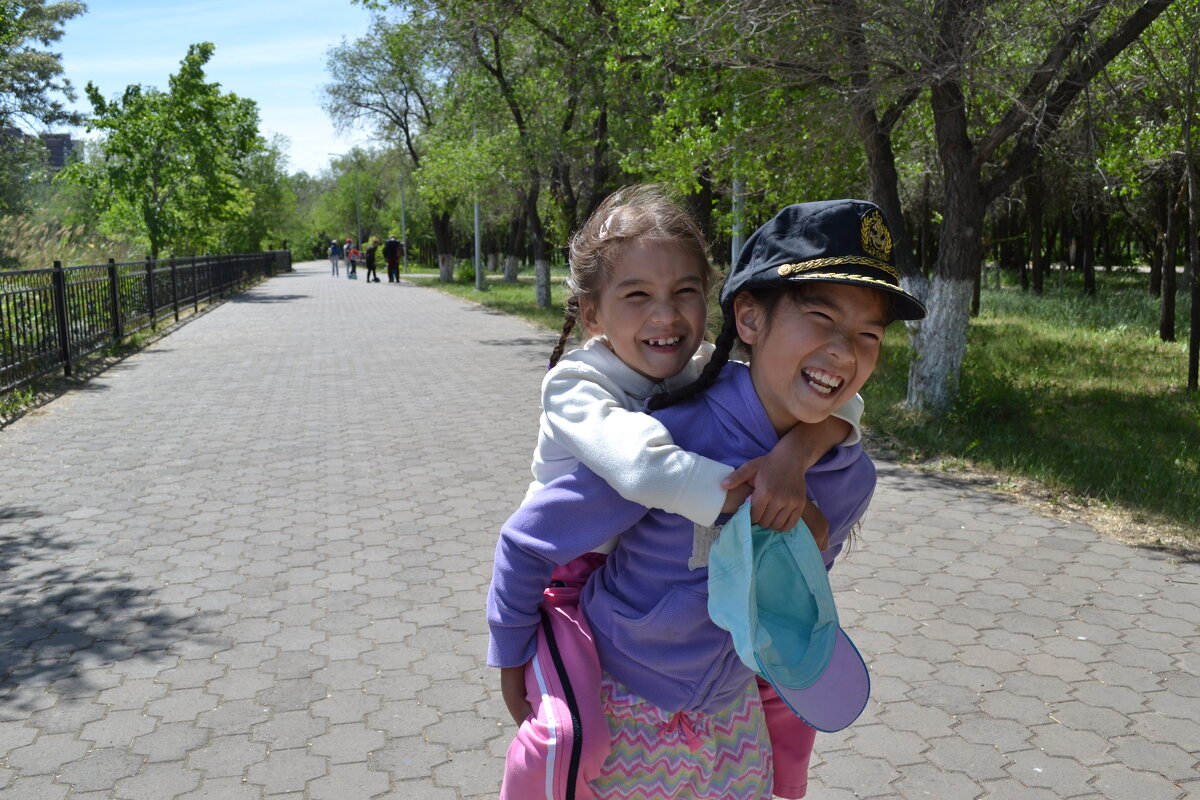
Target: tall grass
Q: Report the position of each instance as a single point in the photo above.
(1076, 393)
(28, 243)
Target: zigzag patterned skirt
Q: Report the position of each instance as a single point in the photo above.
(657, 755)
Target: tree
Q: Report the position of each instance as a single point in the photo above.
(30, 77)
(999, 79)
(270, 206)
(170, 161)
(32, 89)
(395, 79)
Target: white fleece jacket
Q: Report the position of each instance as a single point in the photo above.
(591, 413)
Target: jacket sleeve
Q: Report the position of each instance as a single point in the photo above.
(630, 450)
(851, 412)
(571, 516)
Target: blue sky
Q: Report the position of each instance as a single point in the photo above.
(271, 51)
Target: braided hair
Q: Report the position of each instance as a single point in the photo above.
(634, 213)
(570, 317)
(724, 345)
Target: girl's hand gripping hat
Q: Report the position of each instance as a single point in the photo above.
(836, 241)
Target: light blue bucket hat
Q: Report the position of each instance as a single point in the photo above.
(771, 591)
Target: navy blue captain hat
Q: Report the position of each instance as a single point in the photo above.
(835, 241)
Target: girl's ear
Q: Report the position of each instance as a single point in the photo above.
(748, 317)
(587, 317)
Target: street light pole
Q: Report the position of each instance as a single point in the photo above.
(357, 214)
(480, 284)
(403, 228)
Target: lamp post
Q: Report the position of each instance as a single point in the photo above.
(480, 283)
(403, 228)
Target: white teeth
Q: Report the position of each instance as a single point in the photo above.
(822, 381)
(664, 342)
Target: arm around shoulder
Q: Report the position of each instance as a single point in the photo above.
(631, 450)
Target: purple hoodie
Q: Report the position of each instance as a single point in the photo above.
(647, 606)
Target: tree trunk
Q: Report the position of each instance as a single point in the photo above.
(940, 345)
(444, 243)
(537, 240)
(1156, 266)
(876, 134)
(1042, 265)
(885, 188)
(1086, 252)
(977, 289)
(516, 231)
(1032, 275)
(1103, 253)
(1166, 318)
(925, 260)
(1193, 236)
(940, 341)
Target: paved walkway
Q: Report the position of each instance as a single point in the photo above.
(250, 562)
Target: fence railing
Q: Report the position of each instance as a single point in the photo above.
(52, 318)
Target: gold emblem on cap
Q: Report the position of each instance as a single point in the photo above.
(876, 238)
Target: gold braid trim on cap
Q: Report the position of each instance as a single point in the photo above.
(786, 270)
(842, 276)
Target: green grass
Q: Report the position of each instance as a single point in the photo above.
(1077, 394)
(516, 299)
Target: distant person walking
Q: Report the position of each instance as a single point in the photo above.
(352, 255)
(369, 254)
(392, 250)
(335, 256)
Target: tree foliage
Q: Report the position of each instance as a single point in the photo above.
(32, 92)
(171, 162)
(32, 88)
(1020, 131)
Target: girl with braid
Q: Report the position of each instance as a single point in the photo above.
(809, 300)
(638, 284)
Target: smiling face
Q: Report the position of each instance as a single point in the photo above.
(652, 308)
(814, 352)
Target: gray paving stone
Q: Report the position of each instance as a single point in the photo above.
(162, 779)
(348, 743)
(170, 742)
(290, 729)
(224, 789)
(284, 598)
(47, 754)
(100, 770)
(118, 728)
(928, 780)
(349, 780)
(226, 756)
(37, 787)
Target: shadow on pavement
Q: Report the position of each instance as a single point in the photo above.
(61, 619)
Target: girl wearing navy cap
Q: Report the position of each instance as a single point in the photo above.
(810, 298)
(638, 288)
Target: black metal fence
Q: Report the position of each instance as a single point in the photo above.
(51, 318)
